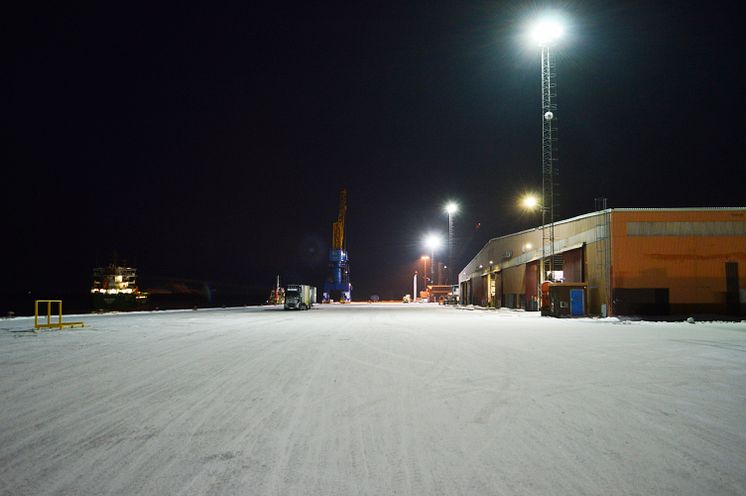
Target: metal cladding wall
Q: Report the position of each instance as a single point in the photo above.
(513, 262)
(573, 265)
(478, 291)
(532, 281)
(638, 261)
(514, 280)
(498, 297)
(678, 261)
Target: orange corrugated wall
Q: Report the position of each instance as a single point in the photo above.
(692, 267)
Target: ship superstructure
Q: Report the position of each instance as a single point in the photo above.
(115, 288)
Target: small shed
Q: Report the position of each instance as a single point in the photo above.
(565, 299)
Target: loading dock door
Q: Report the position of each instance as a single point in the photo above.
(731, 287)
(577, 303)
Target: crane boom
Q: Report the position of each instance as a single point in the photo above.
(338, 228)
(337, 286)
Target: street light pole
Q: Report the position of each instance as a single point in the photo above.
(530, 202)
(432, 264)
(433, 241)
(548, 107)
(451, 209)
(546, 32)
(424, 259)
(450, 247)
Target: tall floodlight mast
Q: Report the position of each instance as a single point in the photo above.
(546, 33)
(451, 209)
(433, 242)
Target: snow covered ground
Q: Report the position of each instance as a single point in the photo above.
(372, 399)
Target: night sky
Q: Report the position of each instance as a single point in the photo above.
(211, 143)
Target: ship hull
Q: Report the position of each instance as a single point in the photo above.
(122, 302)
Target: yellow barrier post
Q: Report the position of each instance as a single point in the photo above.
(59, 324)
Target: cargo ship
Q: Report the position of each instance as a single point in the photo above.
(115, 288)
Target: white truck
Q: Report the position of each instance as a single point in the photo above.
(299, 297)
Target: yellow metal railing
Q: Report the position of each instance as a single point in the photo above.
(59, 324)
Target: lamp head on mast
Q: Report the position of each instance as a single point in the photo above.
(547, 31)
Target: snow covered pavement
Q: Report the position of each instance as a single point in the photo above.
(371, 399)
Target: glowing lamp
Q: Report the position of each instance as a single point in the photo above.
(546, 32)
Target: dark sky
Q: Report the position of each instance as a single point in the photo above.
(210, 143)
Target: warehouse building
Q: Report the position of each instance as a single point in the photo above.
(622, 261)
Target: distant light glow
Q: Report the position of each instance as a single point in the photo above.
(547, 31)
(530, 202)
(433, 241)
(451, 208)
(112, 291)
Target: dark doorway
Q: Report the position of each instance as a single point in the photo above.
(732, 288)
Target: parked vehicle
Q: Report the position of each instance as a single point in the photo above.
(299, 297)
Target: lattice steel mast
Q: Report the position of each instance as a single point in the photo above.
(548, 159)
